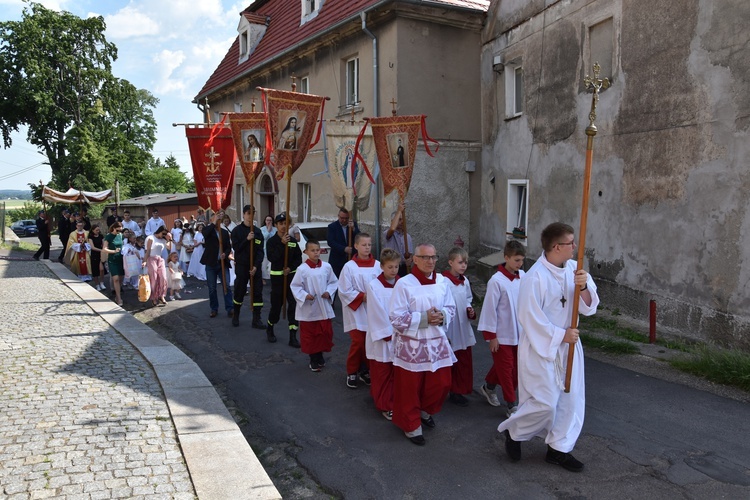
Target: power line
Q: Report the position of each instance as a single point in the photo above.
(22, 171)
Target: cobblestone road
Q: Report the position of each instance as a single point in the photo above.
(82, 414)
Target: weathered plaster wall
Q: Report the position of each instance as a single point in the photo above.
(668, 209)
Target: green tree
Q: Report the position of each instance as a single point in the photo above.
(56, 79)
(162, 178)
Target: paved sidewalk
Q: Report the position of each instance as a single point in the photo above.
(83, 407)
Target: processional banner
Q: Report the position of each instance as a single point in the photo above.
(351, 182)
(213, 157)
(396, 147)
(249, 135)
(291, 120)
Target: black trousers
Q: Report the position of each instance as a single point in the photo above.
(44, 249)
(277, 298)
(241, 278)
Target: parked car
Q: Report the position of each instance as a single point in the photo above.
(317, 231)
(24, 228)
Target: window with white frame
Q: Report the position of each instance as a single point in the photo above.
(244, 44)
(310, 9)
(518, 209)
(304, 201)
(304, 85)
(352, 82)
(514, 97)
(238, 107)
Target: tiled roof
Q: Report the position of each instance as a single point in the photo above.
(284, 31)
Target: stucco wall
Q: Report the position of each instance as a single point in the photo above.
(668, 210)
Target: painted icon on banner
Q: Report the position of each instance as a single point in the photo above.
(397, 148)
(295, 122)
(253, 140)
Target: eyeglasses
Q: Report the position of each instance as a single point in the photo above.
(428, 257)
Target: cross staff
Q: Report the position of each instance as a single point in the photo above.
(594, 85)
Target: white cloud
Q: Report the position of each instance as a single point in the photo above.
(130, 23)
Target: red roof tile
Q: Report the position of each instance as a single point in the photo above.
(284, 31)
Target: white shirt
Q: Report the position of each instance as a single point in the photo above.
(353, 281)
(378, 322)
(132, 226)
(459, 332)
(158, 245)
(152, 225)
(499, 314)
(421, 349)
(314, 281)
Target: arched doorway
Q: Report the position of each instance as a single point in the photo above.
(267, 188)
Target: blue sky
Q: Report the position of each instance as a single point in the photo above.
(169, 47)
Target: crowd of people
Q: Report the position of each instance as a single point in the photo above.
(410, 326)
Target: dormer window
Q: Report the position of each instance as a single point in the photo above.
(251, 29)
(310, 9)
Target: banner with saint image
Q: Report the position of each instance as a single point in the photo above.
(249, 135)
(291, 122)
(395, 140)
(351, 182)
(213, 157)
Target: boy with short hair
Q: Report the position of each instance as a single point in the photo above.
(378, 346)
(313, 287)
(275, 247)
(355, 275)
(459, 332)
(499, 325)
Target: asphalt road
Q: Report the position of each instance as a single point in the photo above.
(643, 437)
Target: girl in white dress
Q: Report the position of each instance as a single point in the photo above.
(196, 268)
(174, 276)
(186, 252)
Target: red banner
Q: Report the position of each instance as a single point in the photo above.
(249, 134)
(213, 157)
(396, 146)
(291, 120)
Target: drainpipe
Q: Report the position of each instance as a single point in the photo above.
(376, 112)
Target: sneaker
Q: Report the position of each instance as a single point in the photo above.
(351, 381)
(171, 297)
(365, 377)
(512, 408)
(387, 414)
(513, 448)
(490, 395)
(314, 367)
(564, 460)
(458, 399)
(179, 297)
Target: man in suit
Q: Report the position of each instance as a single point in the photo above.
(213, 254)
(42, 225)
(342, 248)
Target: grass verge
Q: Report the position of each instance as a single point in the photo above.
(612, 346)
(717, 365)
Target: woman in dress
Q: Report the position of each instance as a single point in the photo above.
(186, 249)
(196, 268)
(156, 244)
(98, 271)
(253, 152)
(268, 230)
(113, 248)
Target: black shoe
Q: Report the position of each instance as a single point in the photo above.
(428, 422)
(351, 381)
(418, 440)
(512, 448)
(270, 335)
(293, 342)
(458, 399)
(314, 366)
(365, 377)
(35, 257)
(257, 323)
(236, 317)
(565, 460)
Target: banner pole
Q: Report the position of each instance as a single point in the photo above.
(595, 84)
(252, 242)
(286, 247)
